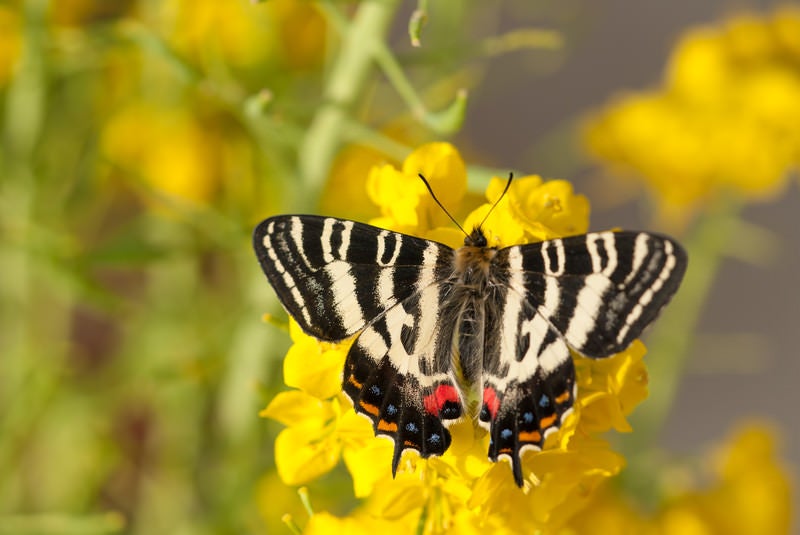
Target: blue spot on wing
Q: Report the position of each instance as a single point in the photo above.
(528, 417)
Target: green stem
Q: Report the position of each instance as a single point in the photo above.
(397, 77)
(356, 132)
(345, 85)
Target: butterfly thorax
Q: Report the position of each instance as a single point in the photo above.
(473, 261)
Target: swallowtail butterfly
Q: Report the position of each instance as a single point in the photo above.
(445, 333)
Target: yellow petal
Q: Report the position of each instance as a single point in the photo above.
(317, 372)
(396, 498)
(303, 453)
(369, 464)
(296, 407)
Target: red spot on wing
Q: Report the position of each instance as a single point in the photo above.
(436, 400)
(491, 401)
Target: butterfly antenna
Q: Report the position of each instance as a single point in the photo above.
(430, 190)
(508, 185)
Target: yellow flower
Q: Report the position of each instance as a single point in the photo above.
(532, 210)
(321, 424)
(611, 388)
(752, 485)
(319, 432)
(749, 493)
(322, 380)
(273, 35)
(726, 119)
(404, 201)
(181, 158)
(164, 147)
(461, 489)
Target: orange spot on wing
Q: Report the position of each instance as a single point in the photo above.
(352, 380)
(530, 436)
(383, 425)
(410, 444)
(372, 409)
(548, 421)
(505, 450)
(563, 397)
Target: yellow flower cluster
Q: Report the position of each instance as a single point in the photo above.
(462, 489)
(749, 493)
(280, 34)
(726, 118)
(185, 146)
(179, 159)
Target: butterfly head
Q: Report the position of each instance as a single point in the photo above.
(476, 238)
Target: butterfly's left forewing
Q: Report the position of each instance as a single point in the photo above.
(335, 276)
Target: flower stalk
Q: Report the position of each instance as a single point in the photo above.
(346, 83)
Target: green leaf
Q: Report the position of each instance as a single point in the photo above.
(449, 120)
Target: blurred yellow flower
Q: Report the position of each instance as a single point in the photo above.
(182, 157)
(10, 42)
(750, 493)
(461, 489)
(255, 37)
(166, 148)
(726, 119)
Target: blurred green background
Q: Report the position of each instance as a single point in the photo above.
(141, 142)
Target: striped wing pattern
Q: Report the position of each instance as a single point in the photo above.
(593, 294)
(431, 328)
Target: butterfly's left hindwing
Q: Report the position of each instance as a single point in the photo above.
(338, 277)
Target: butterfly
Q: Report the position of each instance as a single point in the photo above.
(444, 333)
